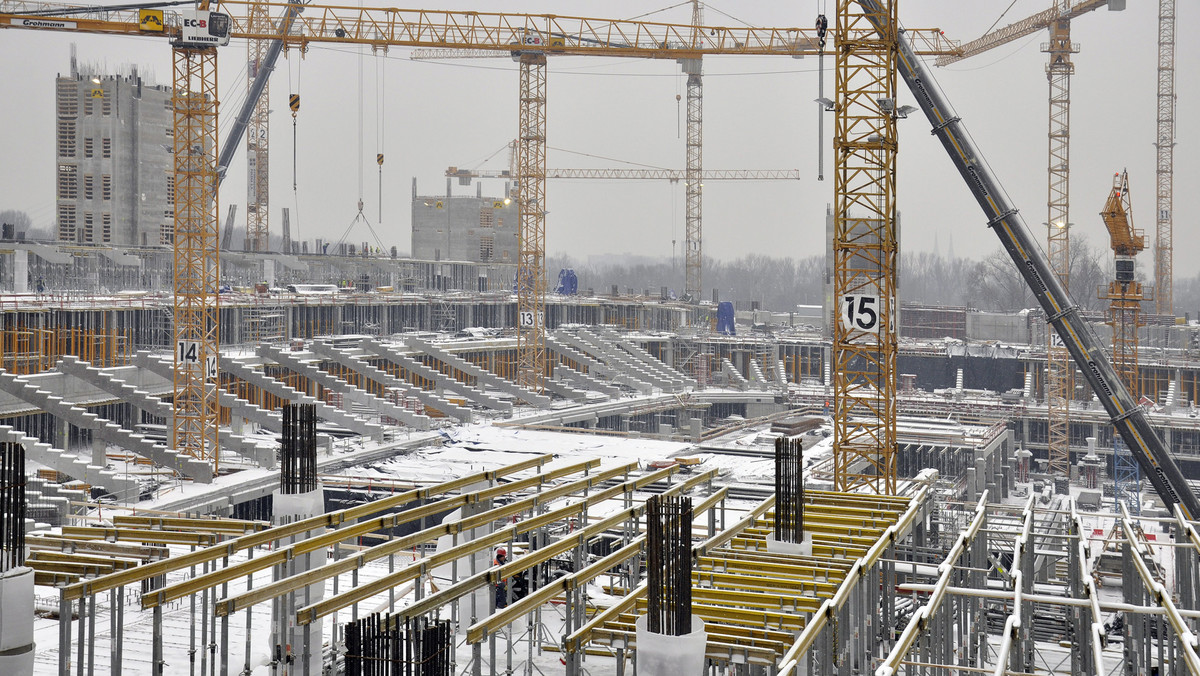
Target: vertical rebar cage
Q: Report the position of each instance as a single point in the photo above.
(669, 565)
(12, 506)
(789, 490)
(298, 450)
(389, 645)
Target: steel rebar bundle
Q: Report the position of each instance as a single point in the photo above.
(12, 506)
(380, 645)
(789, 490)
(669, 565)
(298, 450)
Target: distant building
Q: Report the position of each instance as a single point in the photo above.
(477, 229)
(115, 180)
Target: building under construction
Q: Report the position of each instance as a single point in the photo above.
(338, 460)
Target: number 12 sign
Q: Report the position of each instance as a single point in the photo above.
(860, 312)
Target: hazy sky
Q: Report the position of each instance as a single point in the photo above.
(758, 114)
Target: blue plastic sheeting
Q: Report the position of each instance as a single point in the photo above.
(725, 322)
(568, 283)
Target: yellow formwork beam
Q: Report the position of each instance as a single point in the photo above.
(40, 555)
(777, 566)
(781, 600)
(495, 574)
(185, 524)
(121, 578)
(136, 535)
(419, 567)
(799, 584)
(333, 537)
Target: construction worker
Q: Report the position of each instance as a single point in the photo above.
(502, 585)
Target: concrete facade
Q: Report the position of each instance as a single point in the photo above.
(457, 228)
(114, 170)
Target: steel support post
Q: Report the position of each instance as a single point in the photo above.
(82, 635)
(91, 642)
(156, 650)
(64, 633)
(249, 610)
(118, 630)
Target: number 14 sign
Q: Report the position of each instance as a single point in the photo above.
(188, 352)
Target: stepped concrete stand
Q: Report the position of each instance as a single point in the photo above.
(332, 383)
(106, 382)
(326, 412)
(104, 430)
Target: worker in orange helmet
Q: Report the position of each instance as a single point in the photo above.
(502, 585)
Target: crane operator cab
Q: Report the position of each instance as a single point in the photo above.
(202, 29)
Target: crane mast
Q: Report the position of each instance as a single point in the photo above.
(865, 248)
(1164, 144)
(197, 268)
(1058, 234)
(258, 134)
(531, 234)
(693, 186)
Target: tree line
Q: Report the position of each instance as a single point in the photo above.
(780, 283)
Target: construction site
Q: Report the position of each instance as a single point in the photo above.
(264, 453)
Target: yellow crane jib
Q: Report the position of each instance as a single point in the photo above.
(1117, 215)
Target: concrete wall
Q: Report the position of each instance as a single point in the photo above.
(1006, 328)
(135, 120)
(453, 228)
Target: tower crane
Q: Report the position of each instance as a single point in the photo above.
(1164, 147)
(1125, 294)
(195, 36)
(1059, 68)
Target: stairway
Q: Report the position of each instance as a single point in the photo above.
(77, 467)
(558, 342)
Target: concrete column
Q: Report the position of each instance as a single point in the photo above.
(16, 622)
(99, 452)
(21, 271)
(289, 508)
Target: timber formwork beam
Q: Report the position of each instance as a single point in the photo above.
(274, 535)
(360, 528)
(495, 574)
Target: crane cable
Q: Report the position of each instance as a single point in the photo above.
(380, 127)
(294, 104)
(378, 158)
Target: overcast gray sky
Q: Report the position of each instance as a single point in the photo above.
(758, 114)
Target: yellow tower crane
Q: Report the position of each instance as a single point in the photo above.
(1059, 68)
(1125, 294)
(195, 34)
(1164, 145)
